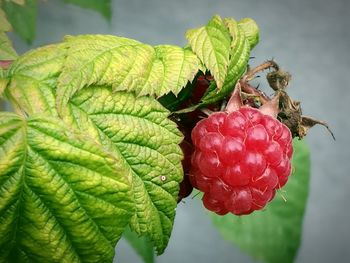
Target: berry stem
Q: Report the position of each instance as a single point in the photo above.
(266, 65)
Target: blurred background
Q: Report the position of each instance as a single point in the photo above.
(310, 39)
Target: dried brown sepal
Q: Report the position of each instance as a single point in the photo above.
(279, 79)
(290, 112)
(291, 115)
(309, 122)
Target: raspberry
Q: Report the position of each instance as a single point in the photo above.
(185, 186)
(241, 157)
(200, 88)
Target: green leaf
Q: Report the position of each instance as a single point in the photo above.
(5, 26)
(18, 2)
(101, 6)
(3, 82)
(141, 245)
(244, 35)
(125, 64)
(63, 198)
(6, 49)
(238, 61)
(251, 31)
(22, 18)
(211, 43)
(34, 79)
(137, 128)
(105, 60)
(273, 235)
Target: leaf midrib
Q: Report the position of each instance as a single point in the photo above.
(15, 236)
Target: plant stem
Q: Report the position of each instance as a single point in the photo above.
(268, 64)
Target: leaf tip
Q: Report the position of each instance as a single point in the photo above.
(251, 31)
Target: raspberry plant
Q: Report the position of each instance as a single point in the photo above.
(100, 145)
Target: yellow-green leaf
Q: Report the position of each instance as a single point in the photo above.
(125, 64)
(138, 129)
(211, 43)
(6, 49)
(63, 197)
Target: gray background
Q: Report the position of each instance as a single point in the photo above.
(311, 39)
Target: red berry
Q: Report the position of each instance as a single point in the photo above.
(240, 159)
(232, 152)
(234, 176)
(214, 205)
(211, 141)
(200, 88)
(186, 186)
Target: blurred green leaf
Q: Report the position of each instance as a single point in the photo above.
(273, 235)
(19, 2)
(101, 6)
(22, 18)
(22, 14)
(141, 245)
(6, 50)
(4, 23)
